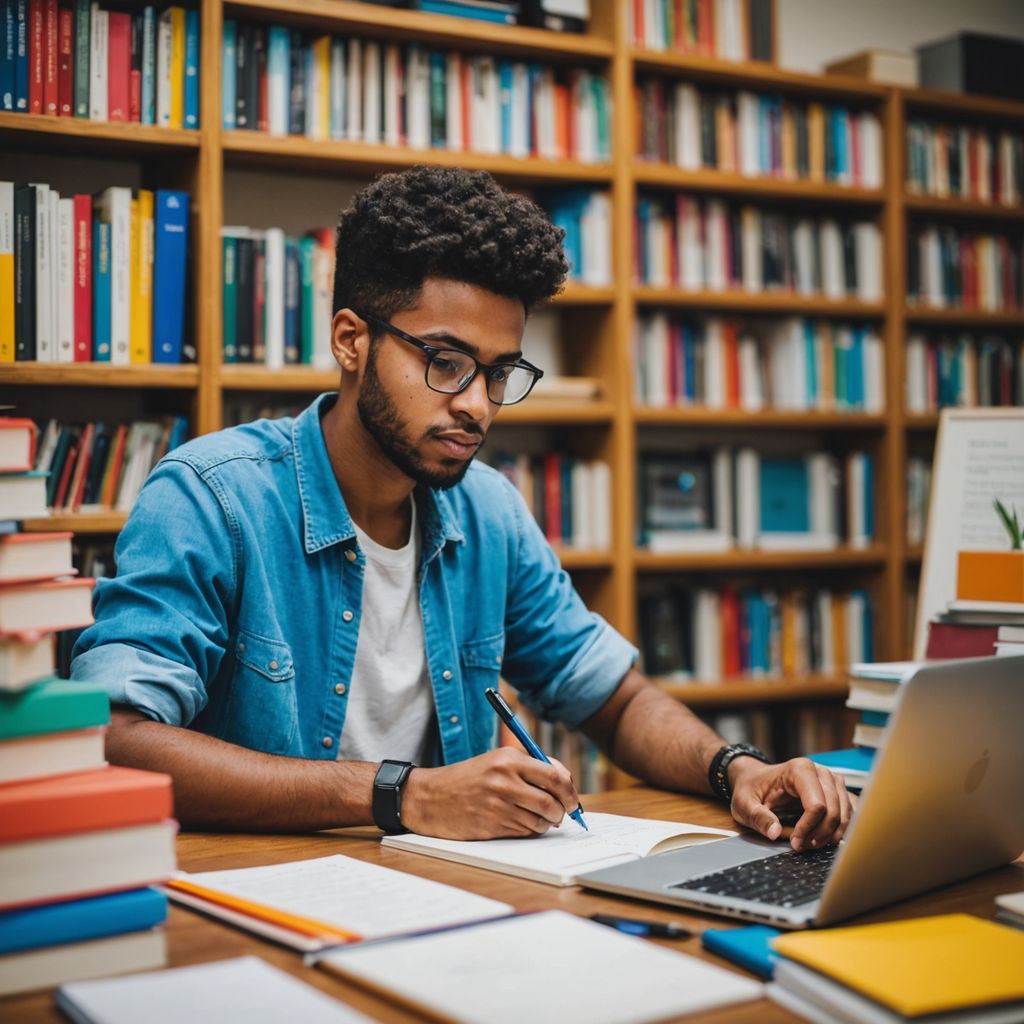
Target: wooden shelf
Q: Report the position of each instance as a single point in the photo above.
(101, 375)
(252, 377)
(755, 75)
(431, 29)
(296, 152)
(699, 417)
(78, 522)
(795, 190)
(953, 206)
(843, 557)
(79, 133)
(967, 317)
(731, 692)
(576, 294)
(914, 554)
(579, 558)
(940, 102)
(921, 421)
(759, 302)
(551, 411)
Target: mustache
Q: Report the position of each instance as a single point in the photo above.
(464, 428)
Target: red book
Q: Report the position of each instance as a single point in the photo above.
(113, 471)
(263, 107)
(553, 498)
(66, 62)
(705, 28)
(639, 23)
(36, 55)
(960, 640)
(732, 364)
(729, 610)
(51, 36)
(82, 322)
(119, 66)
(81, 474)
(65, 473)
(855, 164)
(111, 797)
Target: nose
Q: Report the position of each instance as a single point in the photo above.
(473, 403)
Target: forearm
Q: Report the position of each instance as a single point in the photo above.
(218, 785)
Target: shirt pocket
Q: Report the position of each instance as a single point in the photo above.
(262, 713)
(480, 665)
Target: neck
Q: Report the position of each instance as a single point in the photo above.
(375, 490)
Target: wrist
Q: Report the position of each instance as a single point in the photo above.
(724, 772)
(742, 767)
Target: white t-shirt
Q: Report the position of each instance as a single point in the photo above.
(390, 703)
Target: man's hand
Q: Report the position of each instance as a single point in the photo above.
(759, 791)
(504, 792)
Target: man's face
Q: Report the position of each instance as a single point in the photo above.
(432, 437)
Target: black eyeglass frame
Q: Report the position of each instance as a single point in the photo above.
(432, 351)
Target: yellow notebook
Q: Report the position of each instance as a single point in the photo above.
(927, 965)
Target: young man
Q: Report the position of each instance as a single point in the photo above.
(307, 612)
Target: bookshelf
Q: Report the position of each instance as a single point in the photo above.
(596, 323)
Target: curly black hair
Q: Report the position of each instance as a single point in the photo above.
(443, 222)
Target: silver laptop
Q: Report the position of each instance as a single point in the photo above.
(945, 800)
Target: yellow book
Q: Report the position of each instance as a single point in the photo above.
(6, 272)
(134, 249)
(816, 141)
(921, 966)
(142, 278)
(788, 142)
(322, 57)
(177, 67)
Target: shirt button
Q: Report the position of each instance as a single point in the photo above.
(347, 615)
(340, 689)
(351, 555)
(328, 742)
(454, 719)
(497, 660)
(241, 648)
(273, 666)
(446, 674)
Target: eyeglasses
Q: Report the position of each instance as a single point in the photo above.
(450, 370)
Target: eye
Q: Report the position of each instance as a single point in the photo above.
(444, 364)
(500, 374)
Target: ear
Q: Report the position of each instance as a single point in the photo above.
(349, 340)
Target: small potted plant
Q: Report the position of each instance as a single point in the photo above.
(994, 575)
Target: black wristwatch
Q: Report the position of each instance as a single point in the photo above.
(387, 795)
(718, 771)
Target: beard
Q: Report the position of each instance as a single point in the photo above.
(381, 419)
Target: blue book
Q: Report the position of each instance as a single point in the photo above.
(785, 496)
(279, 59)
(191, 67)
(689, 361)
(855, 377)
(811, 358)
(21, 55)
(8, 34)
(869, 498)
(760, 639)
(857, 759)
(292, 302)
(228, 73)
(454, 8)
(170, 245)
(750, 947)
(839, 123)
(880, 718)
(81, 920)
(764, 135)
(147, 95)
(100, 291)
(179, 432)
(505, 94)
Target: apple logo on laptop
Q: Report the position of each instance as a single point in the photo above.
(976, 774)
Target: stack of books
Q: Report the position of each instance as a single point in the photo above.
(973, 629)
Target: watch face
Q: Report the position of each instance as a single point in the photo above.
(389, 774)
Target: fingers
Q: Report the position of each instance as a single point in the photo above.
(802, 781)
(552, 779)
(757, 815)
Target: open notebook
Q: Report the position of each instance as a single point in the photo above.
(561, 855)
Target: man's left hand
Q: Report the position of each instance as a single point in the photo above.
(761, 791)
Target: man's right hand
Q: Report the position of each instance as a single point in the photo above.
(502, 793)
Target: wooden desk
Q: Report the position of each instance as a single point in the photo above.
(193, 938)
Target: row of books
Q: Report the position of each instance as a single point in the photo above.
(965, 370)
(555, 15)
(708, 634)
(716, 500)
(586, 217)
(965, 162)
(724, 363)
(286, 82)
(972, 270)
(277, 293)
(78, 59)
(92, 278)
(757, 135)
(727, 29)
(782, 731)
(919, 489)
(708, 244)
(95, 466)
(570, 498)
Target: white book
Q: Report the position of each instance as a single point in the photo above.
(655, 340)
(278, 81)
(114, 206)
(354, 91)
(509, 968)
(714, 363)
(687, 128)
(453, 101)
(54, 224)
(244, 988)
(584, 112)
(323, 285)
(833, 278)
(274, 297)
(417, 84)
(707, 636)
(544, 111)
(596, 232)
(870, 130)
(601, 504)
(748, 497)
(337, 84)
(855, 627)
(874, 373)
(491, 105)
(857, 497)
(65, 280)
(751, 379)
(823, 600)
(868, 248)
(51, 753)
(520, 111)
(164, 46)
(690, 257)
(675, 542)
(98, 44)
(931, 268)
(748, 115)
(23, 496)
(823, 484)
(394, 88)
(372, 99)
(561, 855)
(25, 660)
(803, 247)
(45, 328)
(581, 532)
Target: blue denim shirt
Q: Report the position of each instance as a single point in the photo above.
(238, 596)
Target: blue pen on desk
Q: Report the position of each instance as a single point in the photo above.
(507, 715)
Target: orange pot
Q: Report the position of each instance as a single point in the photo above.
(990, 576)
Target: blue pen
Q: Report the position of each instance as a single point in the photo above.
(507, 715)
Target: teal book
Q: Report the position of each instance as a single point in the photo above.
(81, 65)
(785, 496)
(56, 705)
(855, 759)
(749, 947)
(229, 251)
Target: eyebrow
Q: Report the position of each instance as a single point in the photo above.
(451, 341)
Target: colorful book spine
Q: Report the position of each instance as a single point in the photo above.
(170, 261)
(101, 329)
(7, 272)
(191, 69)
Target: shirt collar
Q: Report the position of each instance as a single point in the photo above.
(326, 520)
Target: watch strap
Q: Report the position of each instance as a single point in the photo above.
(387, 795)
(718, 771)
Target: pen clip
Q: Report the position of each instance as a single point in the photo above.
(497, 702)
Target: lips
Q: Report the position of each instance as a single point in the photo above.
(459, 444)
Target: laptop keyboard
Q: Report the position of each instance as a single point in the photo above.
(786, 880)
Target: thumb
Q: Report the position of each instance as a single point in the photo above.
(761, 817)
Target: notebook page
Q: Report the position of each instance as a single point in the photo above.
(548, 967)
(350, 894)
(242, 989)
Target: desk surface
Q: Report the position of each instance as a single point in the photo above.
(193, 938)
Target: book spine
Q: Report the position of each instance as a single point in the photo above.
(119, 66)
(8, 38)
(25, 272)
(64, 268)
(82, 330)
(170, 260)
(135, 69)
(65, 61)
(21, 55)
(36, 54)
(176, 113)
(229, 35)
(51, 43)
(80, 102)
(147, 99)
(99, 26)
(164, 46)
(141, 349)
(101, 290)
(191, 57)
(229, 256)
(7, 247)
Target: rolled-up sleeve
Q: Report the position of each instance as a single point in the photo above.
(564, 660)
(162, 624)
